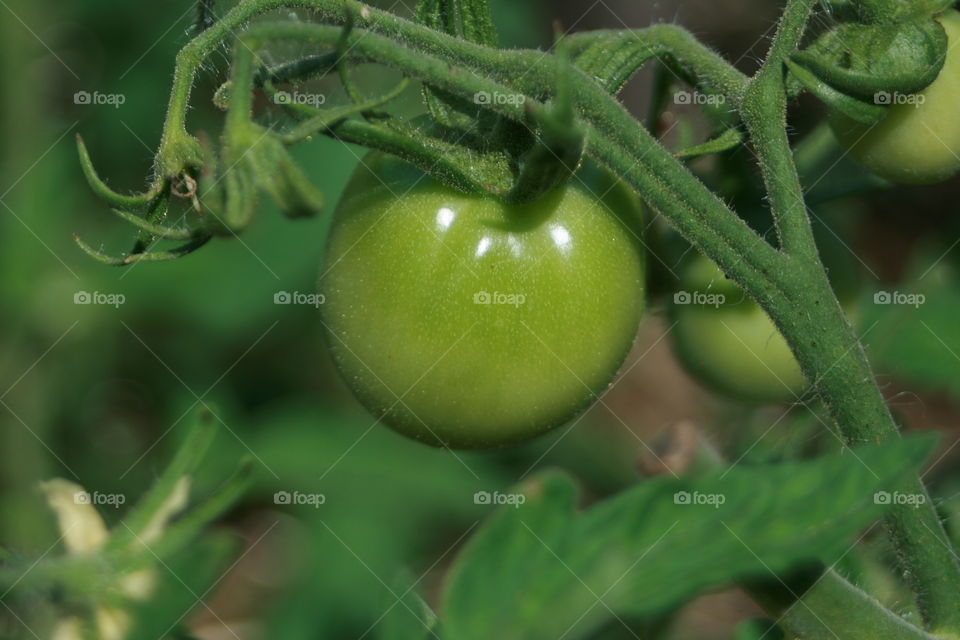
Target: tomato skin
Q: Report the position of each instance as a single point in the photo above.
(914, 143)
(731, 346)
(405, 279)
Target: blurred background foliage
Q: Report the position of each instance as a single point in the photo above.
(100, 395)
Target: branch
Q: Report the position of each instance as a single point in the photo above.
(831, 356)
(615, 138)
(765, 115)
(834, 608)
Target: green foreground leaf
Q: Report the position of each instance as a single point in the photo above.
(542, 570)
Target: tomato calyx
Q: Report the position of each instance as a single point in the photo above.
(470, 20)
(542, 150)
(918, 139)
(884, 11)
(863, 64)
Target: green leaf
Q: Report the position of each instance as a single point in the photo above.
(726, 140)
(885, 11)
(469, 20)
(101, 189)
(614, 59)
(853, 108)
(550, 572)
(314, 120)
(278, 174)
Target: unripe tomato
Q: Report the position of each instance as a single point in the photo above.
(465, 322)
(727, 342)
(918, 140)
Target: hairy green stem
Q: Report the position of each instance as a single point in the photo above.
(765, 115)
(616, 139)
(836, 363)
(670, 42)
(829, 352)
(829, 607)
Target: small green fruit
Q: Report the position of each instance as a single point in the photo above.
(465, 322)
(727, 342)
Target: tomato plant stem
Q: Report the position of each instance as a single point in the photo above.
(833, 359)
(836, 364)
(764, 113)
(832, 608)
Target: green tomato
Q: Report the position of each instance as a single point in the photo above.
(465, 322)
(918, 140)
(727, 342)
